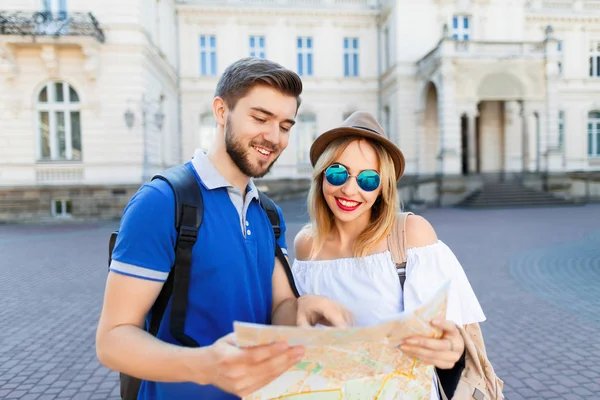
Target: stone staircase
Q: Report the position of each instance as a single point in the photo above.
(509, 194)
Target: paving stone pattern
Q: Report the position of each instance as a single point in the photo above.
(535, 271)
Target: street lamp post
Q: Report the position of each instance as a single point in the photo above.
(549, 40)
(152, 108)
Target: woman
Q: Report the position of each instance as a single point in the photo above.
(343, 253)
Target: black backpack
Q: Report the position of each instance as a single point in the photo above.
(189, 209)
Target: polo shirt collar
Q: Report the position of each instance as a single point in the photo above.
(212, 178)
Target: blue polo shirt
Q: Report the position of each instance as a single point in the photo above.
(232, 263)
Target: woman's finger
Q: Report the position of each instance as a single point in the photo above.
(426, 353)
(452, 334)
(444, 360)
(444, 344)
(449, 327)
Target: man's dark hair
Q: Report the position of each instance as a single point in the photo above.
(241, 76)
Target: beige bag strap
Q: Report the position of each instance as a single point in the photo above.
(397, 245)
(478, 380)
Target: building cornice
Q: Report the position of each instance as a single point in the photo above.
(566, 19)
(147, 47)
(458, 2)
(157, 63)
(210, 12)
(334, 86)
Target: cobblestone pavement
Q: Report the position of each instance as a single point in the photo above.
(535, 271)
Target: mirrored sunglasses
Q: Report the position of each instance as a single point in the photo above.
(368, 180)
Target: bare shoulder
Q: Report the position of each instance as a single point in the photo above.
(303, 244)
(419, 232)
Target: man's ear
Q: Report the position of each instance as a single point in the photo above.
(219, 110)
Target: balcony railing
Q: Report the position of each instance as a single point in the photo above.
(481, 50)
(42, 23)
(500, 50)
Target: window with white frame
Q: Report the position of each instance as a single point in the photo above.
(257, 46)
(594, 133)
(61, 208)
(561, 130)
(208, 55)
(59, 123)
(305, 56)
(306, 132)
(350, 56)
(595, 59)
(461, 27)
(208, 128)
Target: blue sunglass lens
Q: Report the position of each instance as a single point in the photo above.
(336, 175)
(368, 180)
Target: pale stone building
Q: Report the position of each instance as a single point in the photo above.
(69, 72)
(462, 86)
(95, 97)
(331, 44)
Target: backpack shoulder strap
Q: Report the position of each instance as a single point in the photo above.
(187, 193)
(269, 206)
(397, 245)
(189, 209)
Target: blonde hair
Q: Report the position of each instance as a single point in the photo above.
(383, 212)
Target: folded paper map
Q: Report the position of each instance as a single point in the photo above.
(360, 363)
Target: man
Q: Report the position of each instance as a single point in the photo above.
(234, 274)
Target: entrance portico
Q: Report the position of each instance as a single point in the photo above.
(488, 107)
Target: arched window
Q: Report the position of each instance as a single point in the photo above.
(208, 128)
(306, 132)
(59, 121)
(594, 133)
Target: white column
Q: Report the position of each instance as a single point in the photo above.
(405, 117)
(535, 132)
(513, 143)
(472, 142)
(417, 162)
(449, 162)
(552, 155)
(527, 132)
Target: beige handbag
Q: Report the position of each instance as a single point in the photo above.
(478, 380)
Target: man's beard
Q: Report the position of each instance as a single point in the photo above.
(241, 156)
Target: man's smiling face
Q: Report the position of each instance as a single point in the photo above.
(257, 130)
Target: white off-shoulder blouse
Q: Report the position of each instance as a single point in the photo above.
(370, 288)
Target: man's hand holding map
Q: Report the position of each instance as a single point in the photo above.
(352, 363)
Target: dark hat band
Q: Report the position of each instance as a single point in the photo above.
(366, 129)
